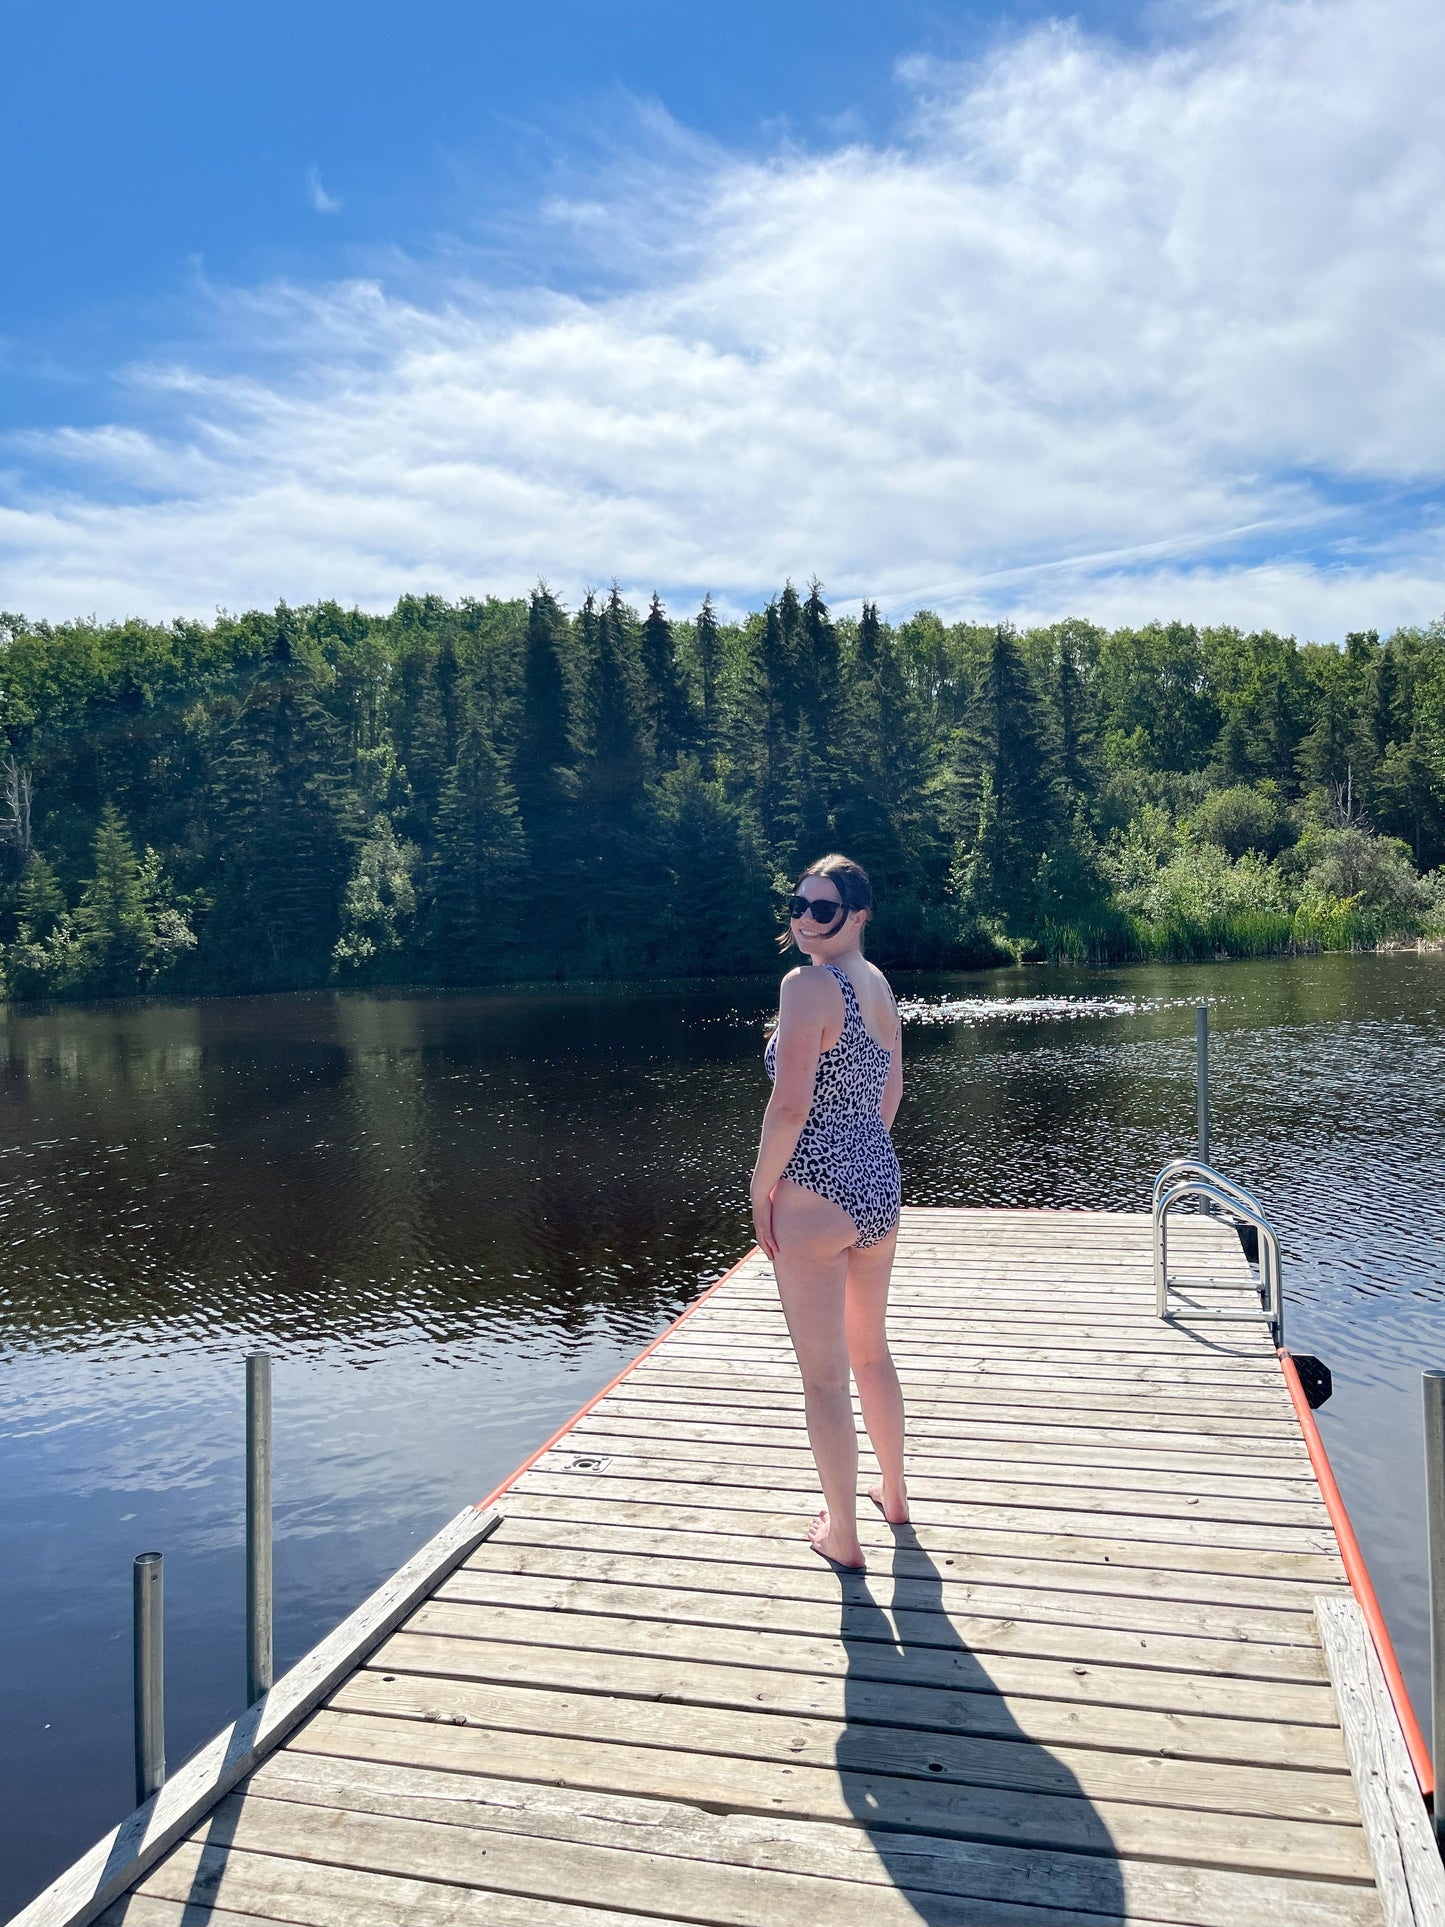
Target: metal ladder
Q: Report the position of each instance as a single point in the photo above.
(1184, 1178)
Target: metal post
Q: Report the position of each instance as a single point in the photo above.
(148, 1646)
(1201, 1077)
(258, 1527)
(1434, 1389)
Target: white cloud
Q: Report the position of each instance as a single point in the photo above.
(1106, 332)
(316, 194)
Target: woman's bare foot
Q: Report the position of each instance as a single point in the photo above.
(893, 1508)
(829, 1543)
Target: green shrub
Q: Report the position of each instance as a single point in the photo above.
(1243, 819)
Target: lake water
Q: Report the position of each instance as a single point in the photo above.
(451, 1218)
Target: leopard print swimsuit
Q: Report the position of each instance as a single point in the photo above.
(844, 1151)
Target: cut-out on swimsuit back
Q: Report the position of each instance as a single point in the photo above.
(844, 1152)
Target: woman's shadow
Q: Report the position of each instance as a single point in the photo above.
(962, 1806)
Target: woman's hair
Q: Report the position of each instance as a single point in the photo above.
(848, 878)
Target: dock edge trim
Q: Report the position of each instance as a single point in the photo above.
(1409, 1878)
(1358, 1574)
(128, 1852)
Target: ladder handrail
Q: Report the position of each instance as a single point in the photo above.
(1236, 1200)
(1177, 1167)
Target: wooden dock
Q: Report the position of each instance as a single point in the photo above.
(1085, 1685)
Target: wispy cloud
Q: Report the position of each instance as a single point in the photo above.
(316, 194)
(1105, 331)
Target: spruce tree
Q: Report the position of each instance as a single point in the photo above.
(1009, 770)
(116, 928)
(789, 674)
(817, 658)
(707, 643)
(616, 857)
(281, 820)
(878, 759)
(777, 718)
(741, 745)
(476, 866)
(1275, 722)
(45, 958)
(712, 851)
(544, 763)
(1074, 714)
(673, 724)
(1233, 761)
(619, 745)
(41, 905)
(1330, 749)
(806, 826)
(426, 728)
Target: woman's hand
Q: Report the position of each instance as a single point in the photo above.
(763, 1222)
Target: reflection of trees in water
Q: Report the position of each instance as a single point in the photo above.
(499, 1166)
(314, 1168)
(905, 1772)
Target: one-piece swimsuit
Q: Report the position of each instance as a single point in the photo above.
(844, 1152)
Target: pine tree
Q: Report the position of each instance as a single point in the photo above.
(476, 866)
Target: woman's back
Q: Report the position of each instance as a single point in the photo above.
(852, 1071)
(876, 1004)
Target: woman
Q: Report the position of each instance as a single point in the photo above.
(826, 1193)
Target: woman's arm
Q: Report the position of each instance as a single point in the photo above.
(893, 1089)
(803, 1006)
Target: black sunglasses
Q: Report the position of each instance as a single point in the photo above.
(820, 909)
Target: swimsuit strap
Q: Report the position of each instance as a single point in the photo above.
(851, 1006)
(853, 1010)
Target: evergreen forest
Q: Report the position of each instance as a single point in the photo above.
(462, 793)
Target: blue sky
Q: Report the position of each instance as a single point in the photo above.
(1131, 313)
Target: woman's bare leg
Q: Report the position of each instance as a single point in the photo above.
(874, 1373)
(812, 1272)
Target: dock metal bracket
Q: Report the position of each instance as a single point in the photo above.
(1184, 1178)
(1316, 1380)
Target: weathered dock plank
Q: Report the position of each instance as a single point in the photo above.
(1086, 1684)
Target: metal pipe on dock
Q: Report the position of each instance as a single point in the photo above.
(1433, 1385)
(1201, 1078)
(259, 1590)
(148, 1648)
